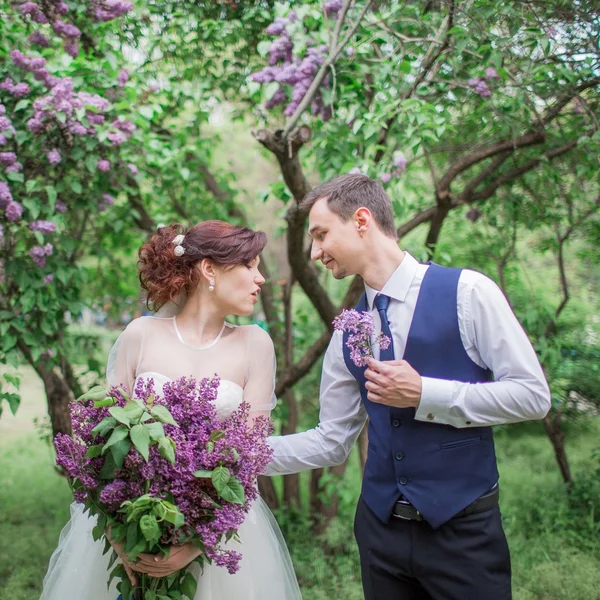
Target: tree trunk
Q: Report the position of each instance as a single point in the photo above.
(324, 509)
(291, 483)
(58, 394)
(267, 492)
(552, 425)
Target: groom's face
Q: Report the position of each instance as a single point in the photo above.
(335, 243)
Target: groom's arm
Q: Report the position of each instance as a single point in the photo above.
(493, 337)
(341, 419)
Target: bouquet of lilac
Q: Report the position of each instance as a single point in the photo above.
(164, 469)
(360, 342)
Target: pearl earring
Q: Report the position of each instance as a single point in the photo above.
(211, 285)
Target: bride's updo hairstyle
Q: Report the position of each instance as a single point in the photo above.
(167, 262)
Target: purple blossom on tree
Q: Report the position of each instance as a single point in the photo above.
(132, 169)
(123, 77)
(103, 165)
(43, 226)
(38, 254)
(54, 156)
(386, 177)
(39, 39)
(5, 195)
(13, 211)
(48, 279)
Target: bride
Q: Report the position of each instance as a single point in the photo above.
(196, 278)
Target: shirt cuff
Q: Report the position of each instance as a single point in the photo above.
(436, 400)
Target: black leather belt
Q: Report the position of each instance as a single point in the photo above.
(405, 510)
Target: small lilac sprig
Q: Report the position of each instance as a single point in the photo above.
(361, 340)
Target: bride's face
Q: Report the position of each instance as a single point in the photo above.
(237, 288)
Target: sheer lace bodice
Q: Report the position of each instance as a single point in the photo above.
(243, 357)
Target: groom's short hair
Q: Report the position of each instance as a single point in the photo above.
(347, 193)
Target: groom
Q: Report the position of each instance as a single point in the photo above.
(427, 524)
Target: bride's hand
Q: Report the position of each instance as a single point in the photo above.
(118, 547)
(162, 566)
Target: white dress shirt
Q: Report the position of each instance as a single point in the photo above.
(492, 338)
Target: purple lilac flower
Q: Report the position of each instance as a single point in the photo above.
(38, 254)
(112, 9)
(5, 195)
(350, 51)
(48, 279)
(48, 353)
(7, 158)
(1, 232)
(54, 156)
(13, 211)
(39, 39)
(15, 167)
(66, 29)
(19, 59)
(103, 165)
(400, 163)
(60, 206)
(132, 169)
(123, 78)
(361, 338)
(43, 226)
(62, 8)
(333, 7)
(386, 177)
(479, 86)
(72, 48)
(116, 138)
(491, 73)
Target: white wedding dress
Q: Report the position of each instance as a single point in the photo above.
(243, 357)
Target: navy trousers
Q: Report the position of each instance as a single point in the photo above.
(467, 558)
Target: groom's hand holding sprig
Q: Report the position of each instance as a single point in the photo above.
(393, 383)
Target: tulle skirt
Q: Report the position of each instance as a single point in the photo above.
(78, 569)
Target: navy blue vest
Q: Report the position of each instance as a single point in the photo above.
(440, 469)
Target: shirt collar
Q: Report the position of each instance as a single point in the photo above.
(398, 284)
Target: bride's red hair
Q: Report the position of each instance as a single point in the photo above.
(165, 276)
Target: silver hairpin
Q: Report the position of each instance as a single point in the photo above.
(179, 249)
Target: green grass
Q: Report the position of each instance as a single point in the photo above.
(555, 548)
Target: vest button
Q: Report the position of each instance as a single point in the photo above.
(402, 481)
(399, 456)
(468, 423)
(395, 423)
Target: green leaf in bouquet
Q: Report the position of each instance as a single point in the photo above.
(210, 446)
(216, 435)
(163, 415)
(120, 433)
(120, 415)
(220, 477)
(141, 440)
(95, 393)
(160, 511)
(203, 473)
(108, 468)
(150, 528)
(133, 411)
(94, 451)
(189, 586)
(166, 449)
(104, 426)
(150, 595)
(98, 530)
(125, 587)
(119, 451)
(155, 430)
(132, 538)
(173, 515)
(176, 595)
(105, 402)
(233, 491)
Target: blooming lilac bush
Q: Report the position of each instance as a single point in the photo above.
(165, 461)
(360, 341)
(294, 60)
